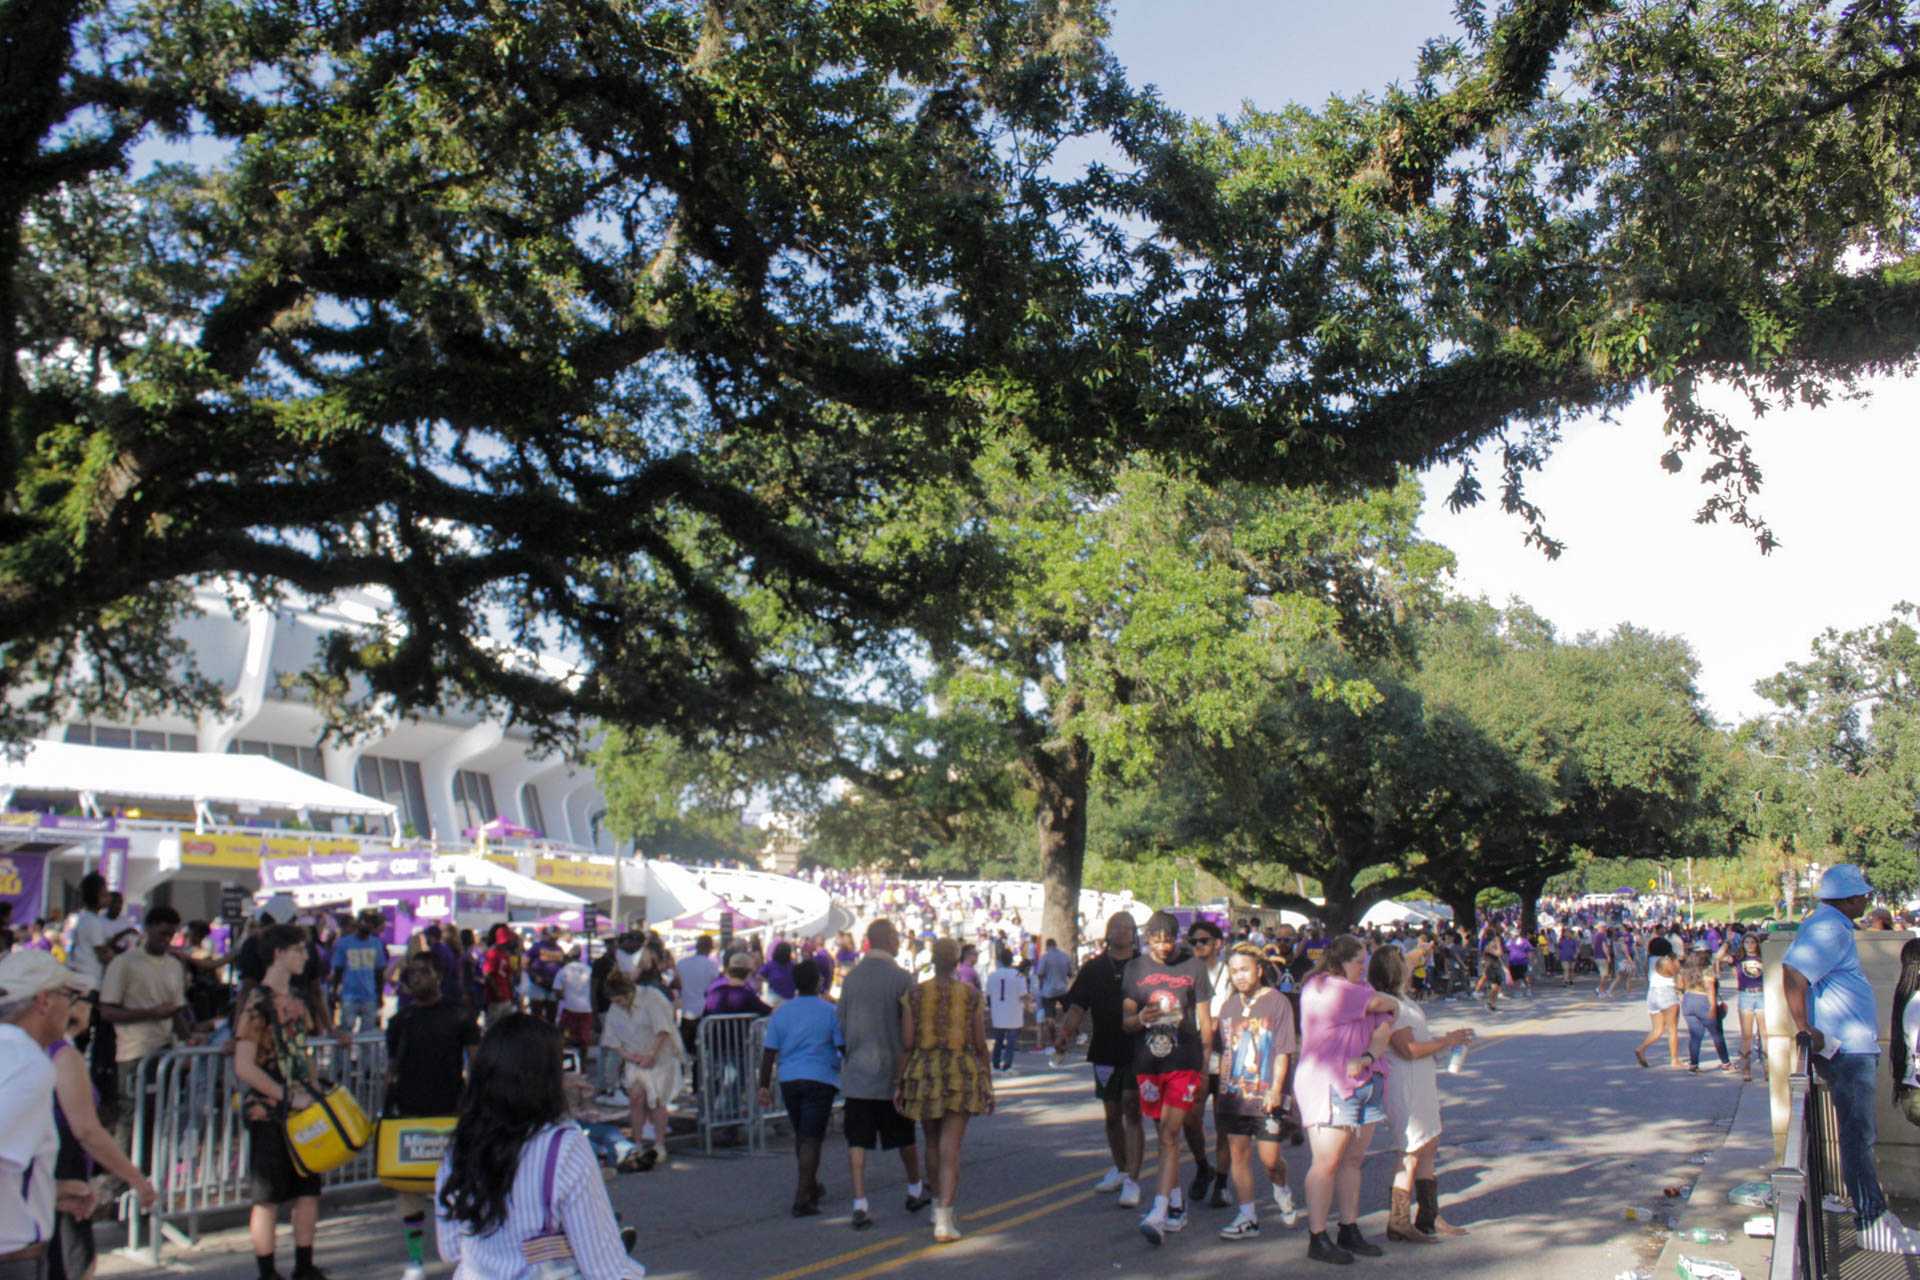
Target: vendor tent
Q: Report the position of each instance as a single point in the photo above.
(479, 873)
(246, 782)
(708, 920)
(1390, 913)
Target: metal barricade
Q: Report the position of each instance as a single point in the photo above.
(1809, 1170)
(199, 1140)
(729, 1049)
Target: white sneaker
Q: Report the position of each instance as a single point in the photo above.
(414, 1273)
(1129, 1194)
(1154, 1229)
(1176, 1218)
(1888, 1234)
(1837, 1204)
(1241, 1229)
(1112, 1182)
(1283, 1205)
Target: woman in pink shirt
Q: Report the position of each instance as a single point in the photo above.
(1339, 1087)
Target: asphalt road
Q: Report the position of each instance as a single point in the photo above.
(1551, 1132)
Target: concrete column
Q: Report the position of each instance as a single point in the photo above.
(437, 770)
(256, 669)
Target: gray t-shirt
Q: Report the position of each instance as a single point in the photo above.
(869, 1011)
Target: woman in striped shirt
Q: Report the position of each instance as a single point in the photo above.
(519, 1183)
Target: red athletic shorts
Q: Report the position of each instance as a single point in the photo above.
(1180, 1089)
(577, 1027)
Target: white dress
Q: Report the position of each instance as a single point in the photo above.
(637, 1030)
(1413, 1087)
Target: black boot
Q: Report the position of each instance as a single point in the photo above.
(1320, 1248)
(1352, 1241)
(1218, 1200)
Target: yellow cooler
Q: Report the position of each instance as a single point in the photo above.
(328, 1133)
(409, 1151)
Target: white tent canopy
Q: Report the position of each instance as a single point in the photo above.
(1391, 913)
(478, 873)
(247, 782)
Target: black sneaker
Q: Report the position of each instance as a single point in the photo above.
(1218, 1200)
(1352, 1241)
(805, 1208)
(862, 1219)
(1202, 1179)
(1322, 1249)
(916, 1203)
(629, 1236)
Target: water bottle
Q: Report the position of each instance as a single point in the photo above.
(1457, 1059)
(1703, 1235)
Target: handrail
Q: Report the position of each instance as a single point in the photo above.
(1809, 1169)
(1790, 1217)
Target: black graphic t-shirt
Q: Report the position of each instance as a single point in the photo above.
(1098, 989)
(1168, 1045)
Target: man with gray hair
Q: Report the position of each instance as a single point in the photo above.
(36, 1000)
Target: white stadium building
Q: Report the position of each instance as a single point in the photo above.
(456, 807)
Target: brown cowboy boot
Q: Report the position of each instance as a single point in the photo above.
(1400, 1220)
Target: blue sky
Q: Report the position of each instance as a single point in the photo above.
(1838, 490)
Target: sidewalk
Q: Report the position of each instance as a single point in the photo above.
(1746, 1155)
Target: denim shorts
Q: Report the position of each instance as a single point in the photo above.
(1753, 1002)
(1366, 1106)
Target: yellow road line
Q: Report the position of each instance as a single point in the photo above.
(933, 1249)
(1061, 1185)
(828, 1264)
(890, 1242)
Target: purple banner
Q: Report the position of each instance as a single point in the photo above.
(481, 902)
(421, 904)
(113, 862)
(23, 882)
(335, 870)
(54, 821)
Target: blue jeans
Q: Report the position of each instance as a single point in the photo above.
(1850, 1077)
(361, 1017)
(1003, 1043)
(607, 1141)
(1700, 1024)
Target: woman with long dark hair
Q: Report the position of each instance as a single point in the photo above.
(1903, 1046)
(519, 1185)
(1699, 996)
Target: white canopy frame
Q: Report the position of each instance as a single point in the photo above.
(248, 783)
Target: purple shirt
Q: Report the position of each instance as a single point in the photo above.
(1334, 1026)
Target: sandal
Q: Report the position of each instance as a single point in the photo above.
(1641, 1058)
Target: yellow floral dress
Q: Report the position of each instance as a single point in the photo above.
(946, 1066)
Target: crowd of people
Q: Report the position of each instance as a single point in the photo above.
(537, 1046)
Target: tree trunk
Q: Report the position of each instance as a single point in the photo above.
(1461, 900)
(1060, 816)
(1530, 892)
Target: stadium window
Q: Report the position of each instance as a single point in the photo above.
(530, 812)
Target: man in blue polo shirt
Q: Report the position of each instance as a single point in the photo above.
(1832, 1003)
(804, 1037)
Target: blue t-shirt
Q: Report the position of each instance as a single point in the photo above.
(806, 1034)
(359, 961)
(1826, 953)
